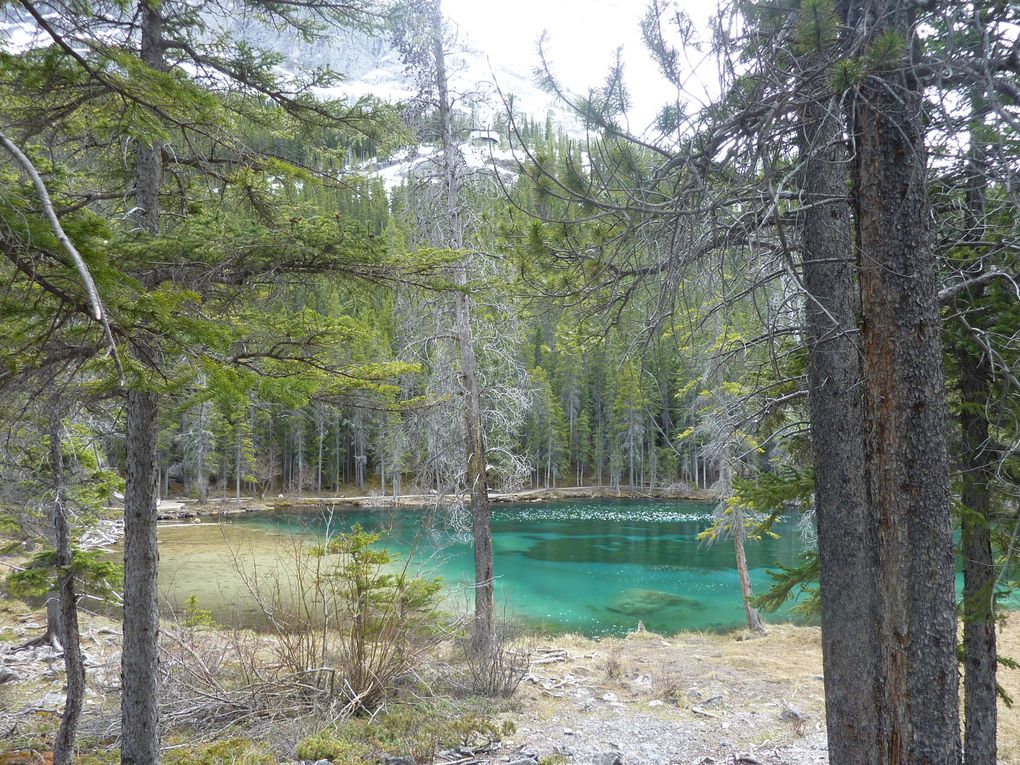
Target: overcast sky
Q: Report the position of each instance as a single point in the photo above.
(583, 36)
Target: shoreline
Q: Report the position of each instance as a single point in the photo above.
(175, 510)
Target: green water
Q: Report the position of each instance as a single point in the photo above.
(593, 567)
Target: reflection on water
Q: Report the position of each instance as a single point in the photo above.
(594, 567)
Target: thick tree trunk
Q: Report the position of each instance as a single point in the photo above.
(140, 657)
(74, 667)
(140, 649)
(476, 475)
(846, 540)
(905, 437)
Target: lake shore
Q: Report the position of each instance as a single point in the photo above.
(177, 509)
(644, 697)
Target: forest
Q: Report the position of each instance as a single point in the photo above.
(241, 292)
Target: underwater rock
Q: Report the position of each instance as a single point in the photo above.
(643, 602)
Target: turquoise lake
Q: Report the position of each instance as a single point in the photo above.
(592, 567)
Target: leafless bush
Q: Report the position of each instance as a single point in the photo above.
(668, 684)
(612, 666)
(497, 672)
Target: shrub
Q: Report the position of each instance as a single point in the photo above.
(350, 623)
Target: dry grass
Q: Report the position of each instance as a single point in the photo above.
(1009, 719)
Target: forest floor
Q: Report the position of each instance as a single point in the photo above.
(701, 698)
(691, 699)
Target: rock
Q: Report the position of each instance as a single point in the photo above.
(791, 712)
(607, 758)
(610, 697)
(323, 762)
(8, 675)
(568, 732)
(645, 603)
(523, 761)
(52, 700)
(655, 703)
(393, 760)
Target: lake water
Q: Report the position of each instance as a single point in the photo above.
(592, 567)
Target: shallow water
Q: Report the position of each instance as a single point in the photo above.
(593, 567)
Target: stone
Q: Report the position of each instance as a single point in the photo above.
(52, 700)
(607, 758)
(639, 602)
(610, 697)
(655, 703)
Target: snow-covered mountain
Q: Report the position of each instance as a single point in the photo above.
(372, 66)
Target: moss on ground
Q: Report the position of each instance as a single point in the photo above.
(417, 732)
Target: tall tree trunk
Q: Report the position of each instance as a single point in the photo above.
(201, 471)
(140, 649)
(906, 453)
(477, 485)
(74, 667)
(140, 653)
(238, 458)
(846, 540)
(979, 649)
(977, 471)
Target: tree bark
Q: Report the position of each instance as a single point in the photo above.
(979, 649)
(201, 472)
(846, 540)
(980, 658)
(906, 453)
(74, 667)
(755, 623)
(140, 652)
(484, 631)
(140, 649)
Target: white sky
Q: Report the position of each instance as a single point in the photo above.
(583, 36)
